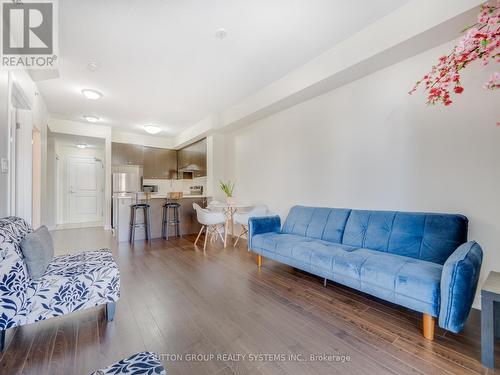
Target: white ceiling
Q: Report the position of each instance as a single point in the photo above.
(161, 63)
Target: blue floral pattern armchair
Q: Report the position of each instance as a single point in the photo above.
(70, 283)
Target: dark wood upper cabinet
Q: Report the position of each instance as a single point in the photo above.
(160, 163)
(126, 154)
(192, 160)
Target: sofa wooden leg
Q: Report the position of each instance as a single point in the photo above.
(429, 323)
(2, 340)
(324, 282)
(110, 311)
(259, 260)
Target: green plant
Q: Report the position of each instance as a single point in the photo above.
(227, 187)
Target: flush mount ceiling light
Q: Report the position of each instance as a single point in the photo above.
(92, 119)
(221, 33)
(91, 94)
(152, 129)
(82, 145)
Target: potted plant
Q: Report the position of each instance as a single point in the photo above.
(228, 188)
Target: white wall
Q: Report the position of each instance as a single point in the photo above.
(217, 165)
(4, 140)
(49, 164)
(39, 116)
(369, 145)
(96, 131)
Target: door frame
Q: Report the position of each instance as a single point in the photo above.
(20, 178)
(100, 185)
(36, 210)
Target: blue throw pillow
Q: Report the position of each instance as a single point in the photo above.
(38, 251)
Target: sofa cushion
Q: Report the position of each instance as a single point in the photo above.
(407, 281)
(369, 229)
(410, 282)
(427, 236)
(270, 241)
(38, 251)
(74, 282)
(317, 222)
(431, 237)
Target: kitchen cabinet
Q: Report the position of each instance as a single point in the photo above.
(160, 163)
(192, 160)
(126, 154)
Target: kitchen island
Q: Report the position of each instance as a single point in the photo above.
(121, 215)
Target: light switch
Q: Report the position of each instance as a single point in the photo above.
(4, 165)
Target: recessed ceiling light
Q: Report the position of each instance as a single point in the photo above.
(93, 66)
(91, 118)
(221, 33)
(82, 145)
(152, 129)
(91, 94)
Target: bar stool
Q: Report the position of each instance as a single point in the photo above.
(168, 220)
(146, 210)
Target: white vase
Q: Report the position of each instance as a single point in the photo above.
(230, 200)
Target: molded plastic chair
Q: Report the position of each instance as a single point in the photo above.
(242, 219)
(212, 222)
(212, 206)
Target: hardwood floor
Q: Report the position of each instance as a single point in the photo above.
(177, 300)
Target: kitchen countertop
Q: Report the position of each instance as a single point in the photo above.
(159, 196)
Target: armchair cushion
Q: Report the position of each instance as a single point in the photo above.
(458, 285)
(38, 251)
(74, 282)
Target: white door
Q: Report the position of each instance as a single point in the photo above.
(85, 190)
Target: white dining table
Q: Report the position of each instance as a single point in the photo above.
(229, 209)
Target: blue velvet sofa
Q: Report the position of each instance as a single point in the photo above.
(418, 260)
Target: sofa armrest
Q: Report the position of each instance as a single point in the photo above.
(458, 285)
(259, 225)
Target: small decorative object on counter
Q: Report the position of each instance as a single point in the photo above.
(228, 188)
(175, 195)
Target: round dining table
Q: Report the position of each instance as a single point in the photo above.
(229, 210)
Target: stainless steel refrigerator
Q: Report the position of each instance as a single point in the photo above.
(124, 184)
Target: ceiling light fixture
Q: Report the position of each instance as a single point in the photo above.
(221, 33)
(82, 145)
(152, 129)
(91, 94)
(92, 119)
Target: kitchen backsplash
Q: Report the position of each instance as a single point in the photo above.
(165, 186)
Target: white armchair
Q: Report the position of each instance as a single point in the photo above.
(241, 218)
(212, 223)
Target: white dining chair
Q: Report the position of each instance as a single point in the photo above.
(212, 223)
(241, 218)
(214, 205)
